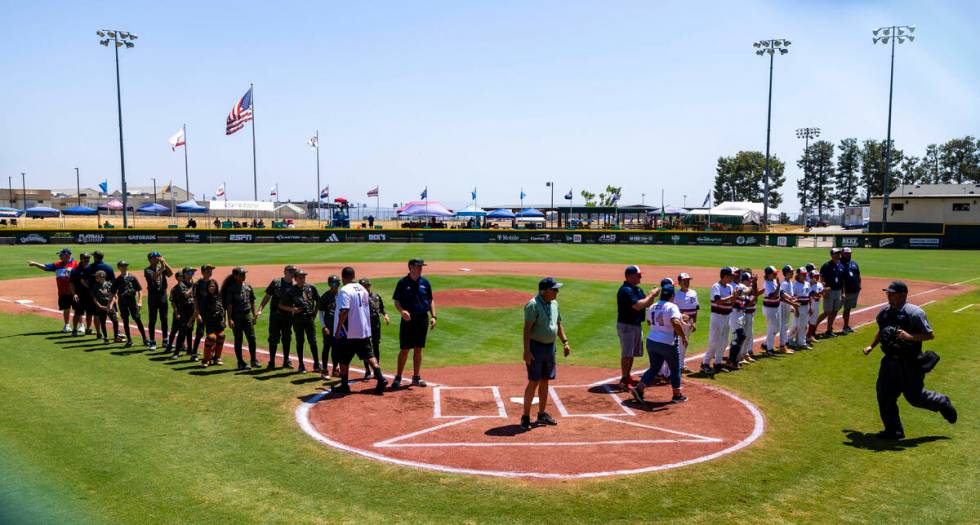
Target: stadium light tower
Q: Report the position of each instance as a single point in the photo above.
(119, 39)
(806, 134)
(883, 35)
(762, 48)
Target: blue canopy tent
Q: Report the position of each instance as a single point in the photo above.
(80, 210)
(42, 212)
(153, 208)
(191, 207)
(528, 213)
(9, 212)
(502, 213)
(471, 211)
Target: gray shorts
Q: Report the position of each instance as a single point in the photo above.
(630, 340)
(851, 300)
(832, 300)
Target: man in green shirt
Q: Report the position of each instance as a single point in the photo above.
(542, 325)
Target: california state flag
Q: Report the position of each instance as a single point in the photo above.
(220, 191)
(177, 140)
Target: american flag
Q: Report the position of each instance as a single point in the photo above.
(373, 192)
(240, 114)
(325, 192)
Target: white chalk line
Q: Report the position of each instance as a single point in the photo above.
(964, 308)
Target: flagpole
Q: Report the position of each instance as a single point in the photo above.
(255, 173)
(377, 204)
(319, 198)
(709, 213)
(187, 177)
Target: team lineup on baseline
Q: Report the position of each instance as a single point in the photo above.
(350, 317)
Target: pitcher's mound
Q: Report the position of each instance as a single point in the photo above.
(481, 298)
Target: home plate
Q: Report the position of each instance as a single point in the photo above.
(24, 301)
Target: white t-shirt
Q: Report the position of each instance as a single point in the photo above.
(354, 298)
(659, 316)
(687, 301)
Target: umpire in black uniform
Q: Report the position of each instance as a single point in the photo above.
(413, 300)
(280, 320)
(300, 301)
(902, 328)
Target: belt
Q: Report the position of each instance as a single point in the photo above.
(721, 311)
(771, 304)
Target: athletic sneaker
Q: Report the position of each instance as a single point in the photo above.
(949, 412)
(678, 399)
(721, 368)
(848, 330)
(301, 369)
(545, 419)
(255, 363)
(706, 368)
(379, 389)
(367, 375)
(890, 435)
(525, 423)
(153, 345)
(289, 364)
(396, 383)
(66, 329)
(418, 381)
(637, 394)
(271, 365)
(316, 367)
(340, 389)
(74, 333)
(129, 344)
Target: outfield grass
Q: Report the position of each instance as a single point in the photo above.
(94, 434)
(945, 266)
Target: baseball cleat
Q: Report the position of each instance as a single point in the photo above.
(525, 423)
(545, 419)
(637, 395)
(678, 399)
(949, 412)
(418, 381)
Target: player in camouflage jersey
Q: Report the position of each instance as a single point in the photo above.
(280, 320)
(377, 305)
(239, 300)
(300, 300)
(182, 300)
(212, 313)
(156, 275)
(129, 296)
(326, 306)
(102, 297)
(201, 288)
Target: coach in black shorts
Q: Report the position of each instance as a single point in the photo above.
(352, 330)
(413, 300)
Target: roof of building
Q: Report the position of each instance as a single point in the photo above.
(935, 190)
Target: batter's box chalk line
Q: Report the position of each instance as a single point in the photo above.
(612, 418)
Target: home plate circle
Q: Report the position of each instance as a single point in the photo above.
(466, 422)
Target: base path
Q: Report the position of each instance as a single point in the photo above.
(469, 424)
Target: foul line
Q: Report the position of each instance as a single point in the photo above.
(961, 309)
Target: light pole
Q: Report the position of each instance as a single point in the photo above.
(78, 188)
(806, 134)
(10, 191)
(154, 179)
(762, 48)
(23, 189)
(643, 199)
(685, 200)
(119, 39)
(893, 33)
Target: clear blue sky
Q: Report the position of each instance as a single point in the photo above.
(452, 95)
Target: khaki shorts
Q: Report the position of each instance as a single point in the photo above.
(630, 340)
(851, 300)
(832, 300)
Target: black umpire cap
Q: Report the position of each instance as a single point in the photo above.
(297, 272)
(239, 270)
(727, 270)
(333, 280)
(896, 287)
(290, 268)
(548, 283)
(416, 262)
(120, 264)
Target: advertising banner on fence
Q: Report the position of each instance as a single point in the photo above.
(90, 238)
(242, 206)
(33, 238)
(142, 237)
(241, 237)
(194, 237)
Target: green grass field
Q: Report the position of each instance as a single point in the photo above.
(97, 434)
(946, 266)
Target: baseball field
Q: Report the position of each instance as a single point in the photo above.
(95, 433)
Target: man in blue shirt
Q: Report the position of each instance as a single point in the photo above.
(832, 276)
(852, 287)
(413, 300)
(631, 305)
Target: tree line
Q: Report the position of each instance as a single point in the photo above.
(848, 174)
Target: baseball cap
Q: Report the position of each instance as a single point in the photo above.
(667, 291)
(632, 270)
(845, 250)
(207, 266)
(98, 254)
(666, 281)
(188, 270)
(364, 282)
(83, 255)
(769, 270)
(727, 270)
(297, 272)
(801, 269)
(416, 262)
(549, 283)
(153, 254)
(834, 250)
(896, 287)
(120, 264)
(683, 276)
(239, 270)
(64, 251)
(746, 276)
(787, 268)
(333, 280)
(100, 273)
(289, 268)
(810, 267)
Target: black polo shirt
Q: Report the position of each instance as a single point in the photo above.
(852, 277)
(626, 297)
(414, 296)
(832, 275)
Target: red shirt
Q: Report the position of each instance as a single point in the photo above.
(62, 271)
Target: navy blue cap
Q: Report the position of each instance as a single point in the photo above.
(727, 270)
(153, 254)
(666, 281)
(770, 270)
(897, 287)
(65, 251)
(548, 283)
(667, 291)
(787, 268)
(746, 276)
(633, 269)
